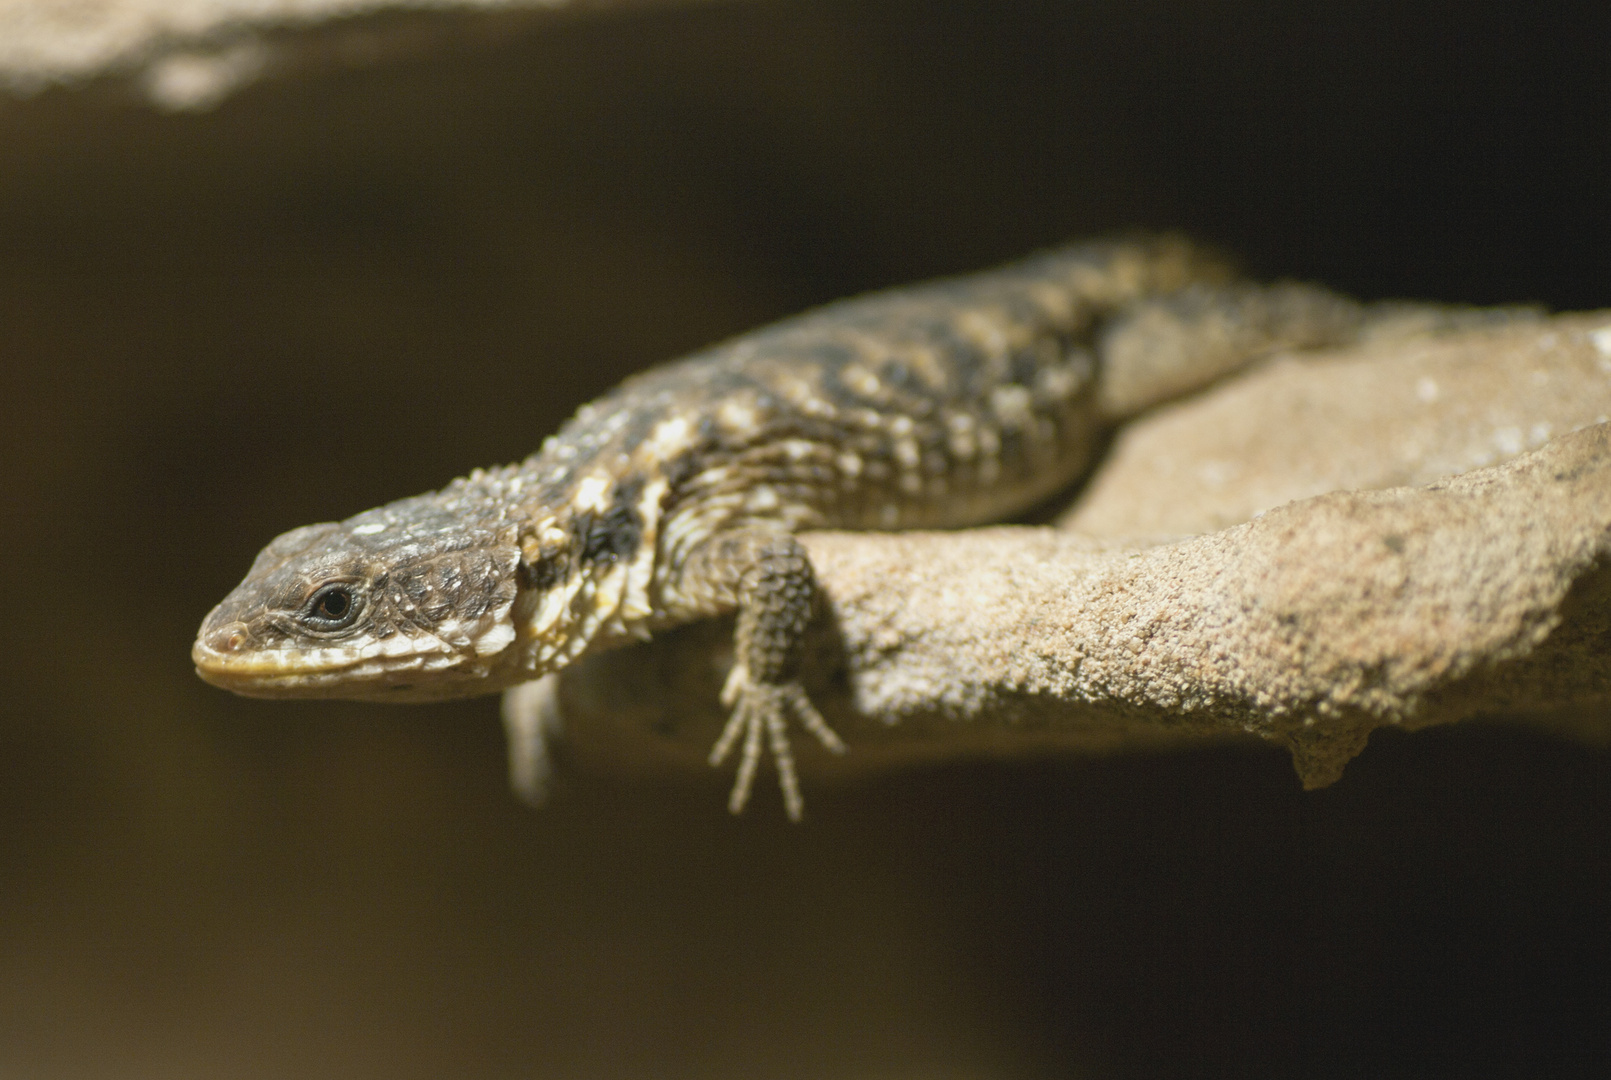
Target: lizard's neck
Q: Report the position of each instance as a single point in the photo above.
(589, 559)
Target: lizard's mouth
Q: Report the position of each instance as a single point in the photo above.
(274, 673)
(334, 672)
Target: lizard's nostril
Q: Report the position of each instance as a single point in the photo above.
(231, 637)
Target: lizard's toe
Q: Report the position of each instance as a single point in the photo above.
(763, 708)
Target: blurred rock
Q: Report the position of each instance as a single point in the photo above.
(188, 55)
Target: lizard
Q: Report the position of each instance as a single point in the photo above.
(677, 497)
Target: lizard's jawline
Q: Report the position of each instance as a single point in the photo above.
(400, 685)
(351, 675)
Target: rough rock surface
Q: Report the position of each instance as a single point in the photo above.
(1399, 409)
(1402, 599)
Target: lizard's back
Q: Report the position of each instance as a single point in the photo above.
(939, 405)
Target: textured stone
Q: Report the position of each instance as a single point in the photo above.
(1311, 624)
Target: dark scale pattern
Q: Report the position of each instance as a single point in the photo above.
(615, 533)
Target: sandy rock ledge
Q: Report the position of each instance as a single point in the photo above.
(1319, 620)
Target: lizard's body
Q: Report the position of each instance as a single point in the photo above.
(676, 496)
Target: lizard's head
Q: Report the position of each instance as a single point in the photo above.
(406, 602)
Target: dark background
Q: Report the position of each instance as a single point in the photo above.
(351, 286)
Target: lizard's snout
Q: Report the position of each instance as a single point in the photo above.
(218, 641)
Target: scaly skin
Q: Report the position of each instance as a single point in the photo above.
(676, 497)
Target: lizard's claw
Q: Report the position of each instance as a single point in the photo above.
(759, 707)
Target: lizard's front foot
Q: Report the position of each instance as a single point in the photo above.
(759, 706)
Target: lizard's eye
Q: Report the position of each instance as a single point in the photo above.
(333, 607)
